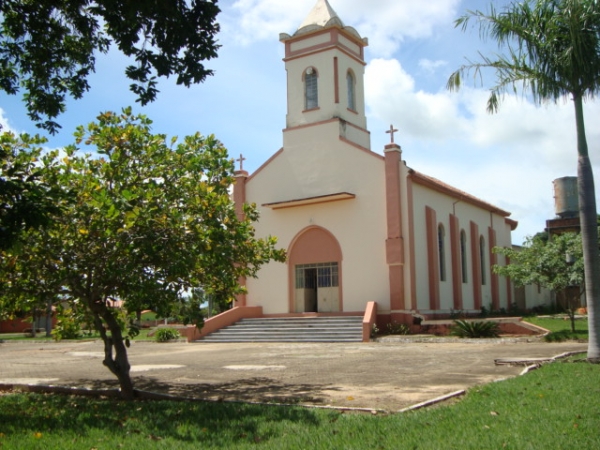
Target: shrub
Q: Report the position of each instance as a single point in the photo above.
(166, 334)
(559, 336)
(374, 330)
(67, 325)
(398, 328)
(472, 329)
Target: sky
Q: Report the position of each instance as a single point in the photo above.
(508, 159)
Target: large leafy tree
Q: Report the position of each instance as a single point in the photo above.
(24, 201)
(151, 221)
(48, 47)
(555, 264)
(551, 49)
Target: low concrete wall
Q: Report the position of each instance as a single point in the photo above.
(369, 319)
(507, 326)
(223, 320)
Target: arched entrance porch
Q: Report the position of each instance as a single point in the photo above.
(315, 272)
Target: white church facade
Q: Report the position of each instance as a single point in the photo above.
(361, 226)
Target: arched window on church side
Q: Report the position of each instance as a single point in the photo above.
(311, 91)
(482, 258)
(463, 255)
(442, 253)
(350, 81)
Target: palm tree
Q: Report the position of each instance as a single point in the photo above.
(552, 50)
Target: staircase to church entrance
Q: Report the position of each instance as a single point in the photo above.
(294, 329)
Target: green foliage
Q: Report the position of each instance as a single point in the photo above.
(552, 49)
(475, 329)
(166, 334)
(48, 48)
(25, 202)
(559, 336)
(150, 219)
(68, 324)
(553, 264)
(398, 328)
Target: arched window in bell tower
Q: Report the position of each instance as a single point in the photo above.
(351, 83)
(311, 91)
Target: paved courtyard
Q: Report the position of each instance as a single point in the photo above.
(386, 376)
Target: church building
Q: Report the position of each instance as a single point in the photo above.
(359, 224)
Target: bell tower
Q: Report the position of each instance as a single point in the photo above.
(324, 61)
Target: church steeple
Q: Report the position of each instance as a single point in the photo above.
(324, 60)
(321, 15)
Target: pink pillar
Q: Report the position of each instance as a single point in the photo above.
(394, 242)
(239, 198)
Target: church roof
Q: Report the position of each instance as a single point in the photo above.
(440, 186)
(320, 17)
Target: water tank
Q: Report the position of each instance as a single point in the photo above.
(566, 199)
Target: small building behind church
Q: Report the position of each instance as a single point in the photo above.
(360, 225)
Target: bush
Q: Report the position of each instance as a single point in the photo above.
(559, 336)
(374, 330)
(398, 328)
(67, 325)
(166, 334)
(471, 329)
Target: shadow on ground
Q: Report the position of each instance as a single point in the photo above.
(257, 389)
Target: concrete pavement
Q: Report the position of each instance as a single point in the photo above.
(387, 376)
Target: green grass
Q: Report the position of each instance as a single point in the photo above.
(559, 326)
(554, 407)
(42, 336)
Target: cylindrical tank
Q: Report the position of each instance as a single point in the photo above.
(566, 199)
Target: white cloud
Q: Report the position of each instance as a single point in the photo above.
(391, 96)
(431, 66)
(4, 122)
(385, 22)
(508, 159)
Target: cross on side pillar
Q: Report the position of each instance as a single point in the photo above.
(391, 131)
(241, 160)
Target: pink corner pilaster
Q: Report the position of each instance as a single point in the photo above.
(394, 243)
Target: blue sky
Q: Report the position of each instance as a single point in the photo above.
(508, 159)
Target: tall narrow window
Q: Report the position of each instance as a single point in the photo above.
(442, 253)
(311, 91)
(463, 255)
(482, 258)
(351, 94)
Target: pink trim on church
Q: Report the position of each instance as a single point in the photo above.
(433, 259)
(411, 237)
(394, 242)
(456, 263)
(476, 265)
(493, 276)
(313, 245)
(333, 41)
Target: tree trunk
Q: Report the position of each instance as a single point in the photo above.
(589, 234)
(117, 363)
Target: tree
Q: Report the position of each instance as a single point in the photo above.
(555, 264)
(552, 51)
(151, 221)
(48, 47)
(24, 201)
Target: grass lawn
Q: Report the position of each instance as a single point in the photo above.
(560, 325)
(42, 336)
(555, 407)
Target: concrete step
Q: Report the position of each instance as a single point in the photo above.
(313, 329)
